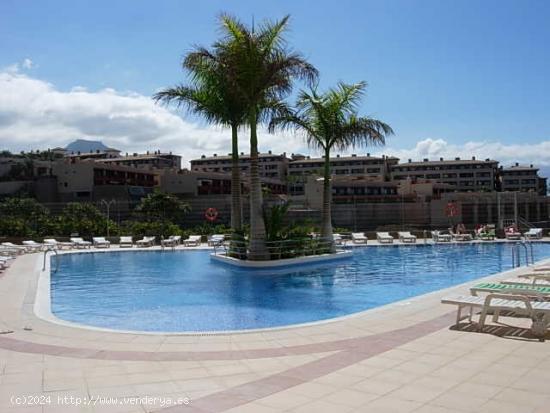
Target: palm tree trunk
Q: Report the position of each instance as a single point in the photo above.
(236, 204)
(326, 218)
(237, 247)
(258, 250)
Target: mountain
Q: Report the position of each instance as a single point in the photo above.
(83, 146)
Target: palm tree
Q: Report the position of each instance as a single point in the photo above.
(212, 96)
(330, 121)
(262, 71)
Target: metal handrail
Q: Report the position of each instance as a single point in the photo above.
(280, 248)
(516, 255)
(51, 249)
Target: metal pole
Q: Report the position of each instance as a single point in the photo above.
(499, 222)
(108, 207)
(516, 208)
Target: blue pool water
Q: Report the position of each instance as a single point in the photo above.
(185, 291)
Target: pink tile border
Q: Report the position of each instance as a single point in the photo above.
(364, 348)
(386, 340)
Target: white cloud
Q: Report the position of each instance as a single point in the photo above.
(433, 149)
(34, 114)
(27, 63)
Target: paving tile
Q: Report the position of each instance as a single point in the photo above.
(350, 397)
(391, 405)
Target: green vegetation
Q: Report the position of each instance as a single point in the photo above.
(242, 81)
(330, 121)
(159, 214)
(213, 96)
(162, 207)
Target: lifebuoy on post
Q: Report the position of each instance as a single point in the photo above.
(451, 209)
(211, 214)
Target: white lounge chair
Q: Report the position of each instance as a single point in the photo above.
(101, 242)
(33, 245)
(359, 238)
(538, 311)
(193, 240)
(21, 249)
(8, 253)
(406, 237)
(216, 240)
(5, 261)
(438, 236)
(125, 241)
(337, 239)
(53, 243)
(171, 241)
(384, 238)
(511, 233)
(533, 233)
(460, 237)
(80, 243)
(146, 242)
(534, 280)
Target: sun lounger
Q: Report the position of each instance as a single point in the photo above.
(146, 242)
(384, 238)
(101, 242)
(337, 239)
(9, 253)
(438, 236)
(53, 243)
(533, 233)
(538, 311)
(33, 245)
(80, 243)
(461, 237)
(5, 262)
(216, 240)
(20, 249)
(171, 241)
(192, 241)
(512, 234)
(510, 288)
(359, 238)
(534, 281)
(406, 237)
(125, 241)
(486, 235)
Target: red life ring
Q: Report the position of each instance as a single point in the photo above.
(451, 209)
(211, 214)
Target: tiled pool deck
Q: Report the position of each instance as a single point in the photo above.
(404, 357)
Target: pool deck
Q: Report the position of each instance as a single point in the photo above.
(402, 357)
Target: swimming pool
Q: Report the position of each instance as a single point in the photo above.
(178, 291)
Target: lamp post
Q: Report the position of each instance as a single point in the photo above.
(108, 207)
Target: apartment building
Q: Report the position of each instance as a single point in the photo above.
(341, 165)
(520, 178)
(302, 166)
(270, 165)
(148, 161)
(345, 189)
(82, 156)
(198, 183)
(79, 180)
(466, 175)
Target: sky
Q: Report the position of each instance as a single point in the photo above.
(453, 78)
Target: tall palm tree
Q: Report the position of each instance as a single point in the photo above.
(330, 121)
(262, 70)
(213, 96)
